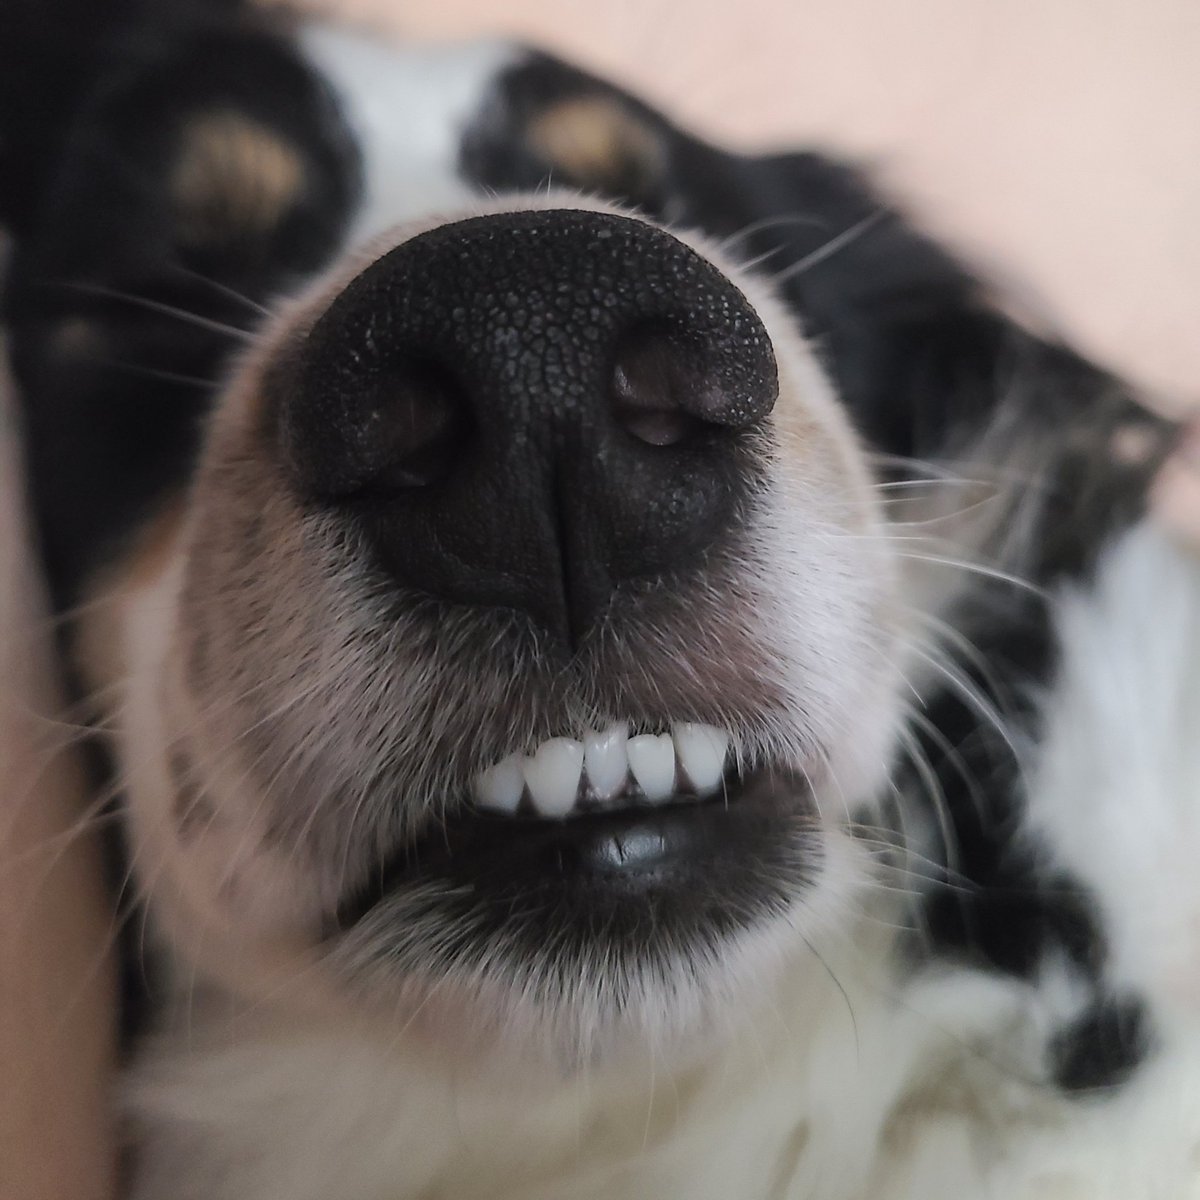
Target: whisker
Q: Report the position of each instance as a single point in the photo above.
(159, 306)
(223, 289)
(936, 795)
(948, 635)
(895, 485)
(765, 223)
(952, 754)
(148, 372)
(941, 518)
(834, 246)
(758, 260)
(967, 691)
(986, 572)
(950, 470)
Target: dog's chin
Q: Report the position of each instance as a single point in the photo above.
(615, 926)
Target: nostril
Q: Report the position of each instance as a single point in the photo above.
(666, 389)
(422, 424)
(398, 426)
(657, 428)
(651, 390)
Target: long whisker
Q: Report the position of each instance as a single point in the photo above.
(986, 572)
(897, 485)
(159, 306)
(834, 246)
(951, 470)
(224, 290)
(758, 260)
(935, 795)
(130, 368)
(765, 223)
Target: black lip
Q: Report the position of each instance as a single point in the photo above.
(754, 842)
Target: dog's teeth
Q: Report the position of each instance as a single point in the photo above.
(701, 751)
(692, 754)
(652, 761)
(499, 788)
(606, 760)
(552, 774)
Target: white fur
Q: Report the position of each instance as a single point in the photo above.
(1119, 786)
(407, 109)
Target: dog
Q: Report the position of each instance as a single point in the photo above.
(629, 672)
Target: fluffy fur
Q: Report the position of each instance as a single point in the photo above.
(964, 964)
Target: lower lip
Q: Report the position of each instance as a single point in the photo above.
(603, 856)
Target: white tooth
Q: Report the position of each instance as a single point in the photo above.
(652, 761)
(500, 787)
(605, 760)
(701, 750)
(553, 776)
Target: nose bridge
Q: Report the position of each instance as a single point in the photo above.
(521, 333)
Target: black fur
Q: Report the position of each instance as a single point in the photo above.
(1104, 1045)
(120, 320)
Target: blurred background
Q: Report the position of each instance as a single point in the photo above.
(1055, 142)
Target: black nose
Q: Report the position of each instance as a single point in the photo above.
(529, 409)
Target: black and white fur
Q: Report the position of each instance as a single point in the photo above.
(989, 983)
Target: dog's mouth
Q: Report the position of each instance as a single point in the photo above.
(592, 825)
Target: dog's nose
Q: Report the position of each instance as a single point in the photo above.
(528, 410)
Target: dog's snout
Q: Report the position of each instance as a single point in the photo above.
(526, 410)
